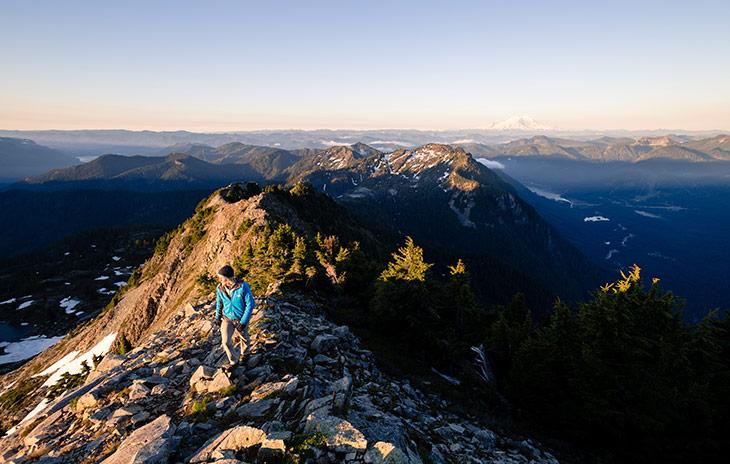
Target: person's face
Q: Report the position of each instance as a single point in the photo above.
(226, 281)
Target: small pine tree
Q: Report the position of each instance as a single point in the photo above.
(408, 264)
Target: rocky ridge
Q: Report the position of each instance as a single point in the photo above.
(308, 392)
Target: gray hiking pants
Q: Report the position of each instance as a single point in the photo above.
(229, 332)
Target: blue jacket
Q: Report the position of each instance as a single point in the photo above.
(239, 306)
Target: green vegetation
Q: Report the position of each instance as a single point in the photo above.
(164, 241)
(621, 369)
(199, 410)
(69, 381)
(12, 399)
(283, 255)
(229, 390)
(237, 192)
(303, 444)
(206, 283)
(196, 226)
(122, 345)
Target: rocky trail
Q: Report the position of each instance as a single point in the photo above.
(308, 392)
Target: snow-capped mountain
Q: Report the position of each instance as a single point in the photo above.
(519, 123)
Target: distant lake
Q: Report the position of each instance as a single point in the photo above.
(10, 333)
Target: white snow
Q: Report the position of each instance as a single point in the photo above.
(67, 253)
(72, 362)
(68, 304)
(116, 258)
(611, 253)
(465, 141)
(120, 284)
(596, 219)
(24, 323)
(25, 304)
(40, 407)
(12, 300)
(647, 214)
(491, 164)
(519, 123)
(26, 348)
(104, 291)
(102, 277)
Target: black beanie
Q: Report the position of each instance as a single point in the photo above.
(226, 271)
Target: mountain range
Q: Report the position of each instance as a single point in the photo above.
(605, 149)
(437, 193)
(22, 157)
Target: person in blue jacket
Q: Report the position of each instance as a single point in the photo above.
(233, 309)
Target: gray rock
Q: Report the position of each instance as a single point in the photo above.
(341, 436)
(342, 392)
(138, 391)
(234, 439)
(385, 453)
(257, 409)
(323, 343)
(86, 401)
(275, 388)
(149, 444)
(271, 451)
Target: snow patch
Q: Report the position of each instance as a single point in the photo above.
(12, 300)
(25, 304)
(40, 407)
(26, 348)
(116, 258)
(68, 304)
(611, 253)
(72, 362)
(596, 219)
(102, 277)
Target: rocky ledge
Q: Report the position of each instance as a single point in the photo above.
(307, 393)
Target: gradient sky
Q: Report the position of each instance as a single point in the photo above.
(219, 66)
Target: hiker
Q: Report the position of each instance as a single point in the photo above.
(233, 309)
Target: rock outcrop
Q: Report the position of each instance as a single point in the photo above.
(166, 401)
(307, 392)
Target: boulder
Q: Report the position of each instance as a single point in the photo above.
(323, 343)
(385, 453)
(341, 436)
(271, 451)
(149, 444)
(257, 409)
(234, 439)
(86, 401)
(342, 392)
(220, 382)
(138, 391)
(275, 388)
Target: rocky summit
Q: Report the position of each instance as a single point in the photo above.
(307, 392)
(143, 382)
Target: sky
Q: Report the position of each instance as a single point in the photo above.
(224, 66)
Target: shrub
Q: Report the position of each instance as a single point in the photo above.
(206, 283)
(237, 192)
(121, 345)
(13, 398)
